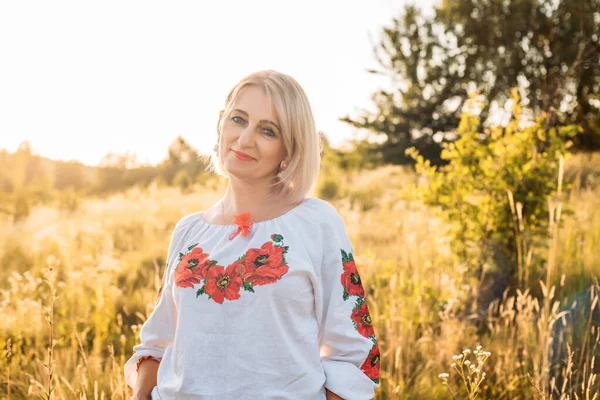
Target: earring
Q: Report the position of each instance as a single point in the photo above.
(216, 148)
(282, 165)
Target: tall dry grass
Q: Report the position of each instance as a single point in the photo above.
(104, 261)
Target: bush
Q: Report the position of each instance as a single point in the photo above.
(182, 180)
(328, 189)
(498, 190)
(366, 197)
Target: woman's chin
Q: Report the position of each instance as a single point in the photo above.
(244, 174)
(238, 171)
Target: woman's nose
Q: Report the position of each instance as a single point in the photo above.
(246, 138)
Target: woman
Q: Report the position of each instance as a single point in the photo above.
(261, 297)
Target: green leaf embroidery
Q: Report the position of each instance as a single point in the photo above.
(359, 303)
(200, 291)
(277, 238)
(345, 295)
(248, 287)
(346, 257)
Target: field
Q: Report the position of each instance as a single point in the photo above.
(103, 261)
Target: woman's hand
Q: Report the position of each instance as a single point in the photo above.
(146, 380)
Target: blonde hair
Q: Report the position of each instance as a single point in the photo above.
(301, 140)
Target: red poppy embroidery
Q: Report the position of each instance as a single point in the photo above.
(263, 266)
(371, 365)
(192, 268)
(362, 319)
(350, 278)
(223, 283)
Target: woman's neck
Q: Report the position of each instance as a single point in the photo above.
(261, 202)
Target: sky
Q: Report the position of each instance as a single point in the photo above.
(80, 79)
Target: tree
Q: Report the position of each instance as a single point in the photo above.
(119, 160)
(69, 174)
(550, 50)
(182, 156)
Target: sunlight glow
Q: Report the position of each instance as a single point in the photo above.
(82, 79)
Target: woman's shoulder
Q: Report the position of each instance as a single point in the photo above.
(322, 212)
(326, 225)
(323, 206)
(185, 224)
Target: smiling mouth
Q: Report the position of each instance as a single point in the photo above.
(242, 156)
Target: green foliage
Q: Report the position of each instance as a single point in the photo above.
(182, 156)
(329, 183)
(550, 50)
(367, 197)
(328, 189)
(422, 64)
(496, 189)
(340, 166)
(530, 44)
(28, 179)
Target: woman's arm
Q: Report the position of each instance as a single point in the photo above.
(348, 346)
(331, 396)
(146, 380)
(158, 331)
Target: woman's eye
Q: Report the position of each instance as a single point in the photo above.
(269, 132)
(237, 122)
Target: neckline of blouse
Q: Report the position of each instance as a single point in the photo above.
(256, 223)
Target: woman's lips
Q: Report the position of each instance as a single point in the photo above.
(242, 156)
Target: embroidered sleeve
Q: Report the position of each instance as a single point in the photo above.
(349, 349)
(158, 331)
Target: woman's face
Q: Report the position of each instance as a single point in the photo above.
(251, 143)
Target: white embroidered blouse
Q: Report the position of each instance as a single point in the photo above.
(277, 314)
